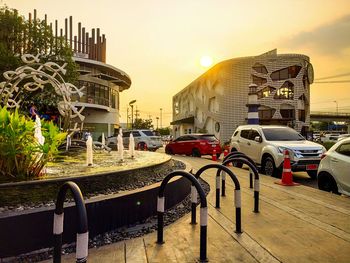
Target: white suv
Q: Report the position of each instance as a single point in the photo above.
(265, 145)
(143, 139)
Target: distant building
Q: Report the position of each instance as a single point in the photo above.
(216, 101)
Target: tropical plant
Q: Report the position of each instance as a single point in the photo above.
(21, 155)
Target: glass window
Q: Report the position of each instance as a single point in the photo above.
(179, 139)
(344, 149)
(286, 73)
(260, 68)
(253, 134)
(287, 113)
(148, 133)
(258, 81)
(136, 134)
(302, 115)
(282, 134)
(245, 134)
(235, 134)
(210, 138)
(266, 113)
(286, 92)
(126, 134)
(265, 92)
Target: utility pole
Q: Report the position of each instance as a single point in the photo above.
(161, 117)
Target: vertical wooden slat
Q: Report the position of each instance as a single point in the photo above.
(71, 31)
(103, 48)
(83, 50)
(87, 51)
(79, 37)
(56, 35)
(66, 29)
(98, 46)
(92, 46)
(75, 44)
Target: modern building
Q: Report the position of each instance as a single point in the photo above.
(102, 82)
(216, 102)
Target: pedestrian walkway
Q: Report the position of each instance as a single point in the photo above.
(295, 224)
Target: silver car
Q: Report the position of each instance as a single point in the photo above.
(144, 139)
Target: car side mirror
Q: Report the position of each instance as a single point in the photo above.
(258, 139)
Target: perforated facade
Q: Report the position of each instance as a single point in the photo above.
(216, 101)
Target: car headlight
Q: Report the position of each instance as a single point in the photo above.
(281, 149)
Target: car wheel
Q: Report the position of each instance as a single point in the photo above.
(312, 174)
(269, 167)
(169, 151)
(141, 146)
(196, 152)
(327, 183)
(237, 164)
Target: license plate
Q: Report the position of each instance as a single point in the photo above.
(311, 167)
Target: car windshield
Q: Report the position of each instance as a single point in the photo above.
(209, 138)
(282, 134)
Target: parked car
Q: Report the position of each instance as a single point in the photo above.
(266, 144)
(143, 139)
(195, 145)
(343, 136)
(334, 171)
(329, 138)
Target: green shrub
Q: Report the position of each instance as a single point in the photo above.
(21, 156)
(328, 145)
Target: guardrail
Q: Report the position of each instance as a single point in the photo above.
(82, 240)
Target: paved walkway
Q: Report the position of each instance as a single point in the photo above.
(295, 224)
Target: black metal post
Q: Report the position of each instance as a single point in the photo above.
(193, 204)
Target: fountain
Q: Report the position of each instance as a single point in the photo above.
(103, 140)
(120, 145)
(89, 154)
(131, 145)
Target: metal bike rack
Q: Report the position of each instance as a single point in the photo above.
(203, 211)
(252, 168)
(82, 241)
(237, 192)
(238, 154)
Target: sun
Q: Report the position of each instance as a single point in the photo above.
(206, 61)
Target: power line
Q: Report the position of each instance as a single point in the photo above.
(334, 76)
(334, 81)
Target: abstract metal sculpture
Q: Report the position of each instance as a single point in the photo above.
(35, 75)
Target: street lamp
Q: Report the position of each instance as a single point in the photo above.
(131, 104)
(157, 122)
(161, 117)
(336, 102)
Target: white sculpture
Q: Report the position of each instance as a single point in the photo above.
(132, 145)
(120, 147)
(89, 153)
(36, 75)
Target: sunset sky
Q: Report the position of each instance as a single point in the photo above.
(159, 43)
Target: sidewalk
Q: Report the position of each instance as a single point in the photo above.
(295, 224)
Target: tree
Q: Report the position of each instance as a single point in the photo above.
(164, 131)
(19, 36)
(142, 124)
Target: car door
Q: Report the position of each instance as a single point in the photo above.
(340, 165)
(243, 141)
(254, 147)
(177, 145)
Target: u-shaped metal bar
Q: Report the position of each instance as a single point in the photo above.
(203, 210)
(252, 168)
(237, 193)
(82, 241)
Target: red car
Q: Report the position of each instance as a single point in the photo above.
(195, 145)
